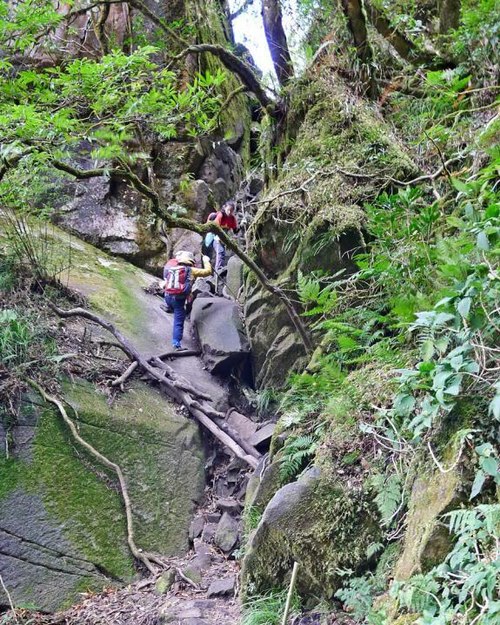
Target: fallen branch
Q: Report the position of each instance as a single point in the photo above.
(176, 354)
(137, 553)
(9, 598)
(125, 376)
(291, 588)
(174, 391)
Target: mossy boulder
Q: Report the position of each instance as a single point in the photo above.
(317, 523)
(427, 540)
(62, 520)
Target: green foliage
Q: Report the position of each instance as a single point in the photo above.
(108, 104)
(268, 609)
(476, 41)
(16, 337)
(33, 249)
(296, 454)
(465, 587)
(357, 596)
(389, 495)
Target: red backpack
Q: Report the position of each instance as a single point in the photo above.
(177, 278)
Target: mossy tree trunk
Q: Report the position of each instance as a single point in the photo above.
(276, 40)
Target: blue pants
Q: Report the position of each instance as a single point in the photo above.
(220, 254)
(178, 303)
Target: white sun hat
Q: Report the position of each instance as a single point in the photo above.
(185, 258)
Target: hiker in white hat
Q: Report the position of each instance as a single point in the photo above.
(179, 274)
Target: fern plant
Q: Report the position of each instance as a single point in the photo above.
(465, 588)
(296, 455)
(389, 497)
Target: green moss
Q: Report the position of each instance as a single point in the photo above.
(427, 540)
(211, 27)
(11, 475)
(327, 529)
(91, 510)
(156, 449)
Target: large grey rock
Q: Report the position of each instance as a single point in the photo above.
(222, 164)
(305, 522)
(276, 347)
(220, 332)
(262, 437)
(243, 425)
(234, 276)
(196, 199)
(38, 564)
(62, 525)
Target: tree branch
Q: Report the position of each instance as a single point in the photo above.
(202, 229)
(236, 65)
(403, 46)
(174, 387)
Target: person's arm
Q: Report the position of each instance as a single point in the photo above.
(218, 219)
(206, 271)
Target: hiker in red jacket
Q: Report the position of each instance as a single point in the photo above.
(226, 219)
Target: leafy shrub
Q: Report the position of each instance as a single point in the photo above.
(465, 587)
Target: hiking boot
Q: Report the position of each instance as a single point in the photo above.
(177, 346)
(167, 309)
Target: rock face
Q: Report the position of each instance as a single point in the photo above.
(62, 526)
(220, 331)
(318, 525)
(115, 220)
(319, 229)
(427, 540)
(192, 177)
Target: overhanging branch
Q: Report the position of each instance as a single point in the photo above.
(237, 66)
(202, 229)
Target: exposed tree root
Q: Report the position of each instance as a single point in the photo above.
(136, 552)
(176, 386)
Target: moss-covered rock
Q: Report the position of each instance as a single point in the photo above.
(61, 514)
(340, 157)
(427, 540)
(319, 524)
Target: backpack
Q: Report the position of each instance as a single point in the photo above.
(212, 216)
(177, 278)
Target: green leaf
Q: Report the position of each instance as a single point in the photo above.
(482, 241)
(477, 485)
(463, 306)
(494, 407)
(489, 465)
(460, 186)
(427, 350)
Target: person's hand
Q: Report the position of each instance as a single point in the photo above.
(206, 259)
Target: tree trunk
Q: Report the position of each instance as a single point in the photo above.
(449, 15)
(276, 40)
(353, 11)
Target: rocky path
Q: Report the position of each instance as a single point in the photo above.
(200, 588)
